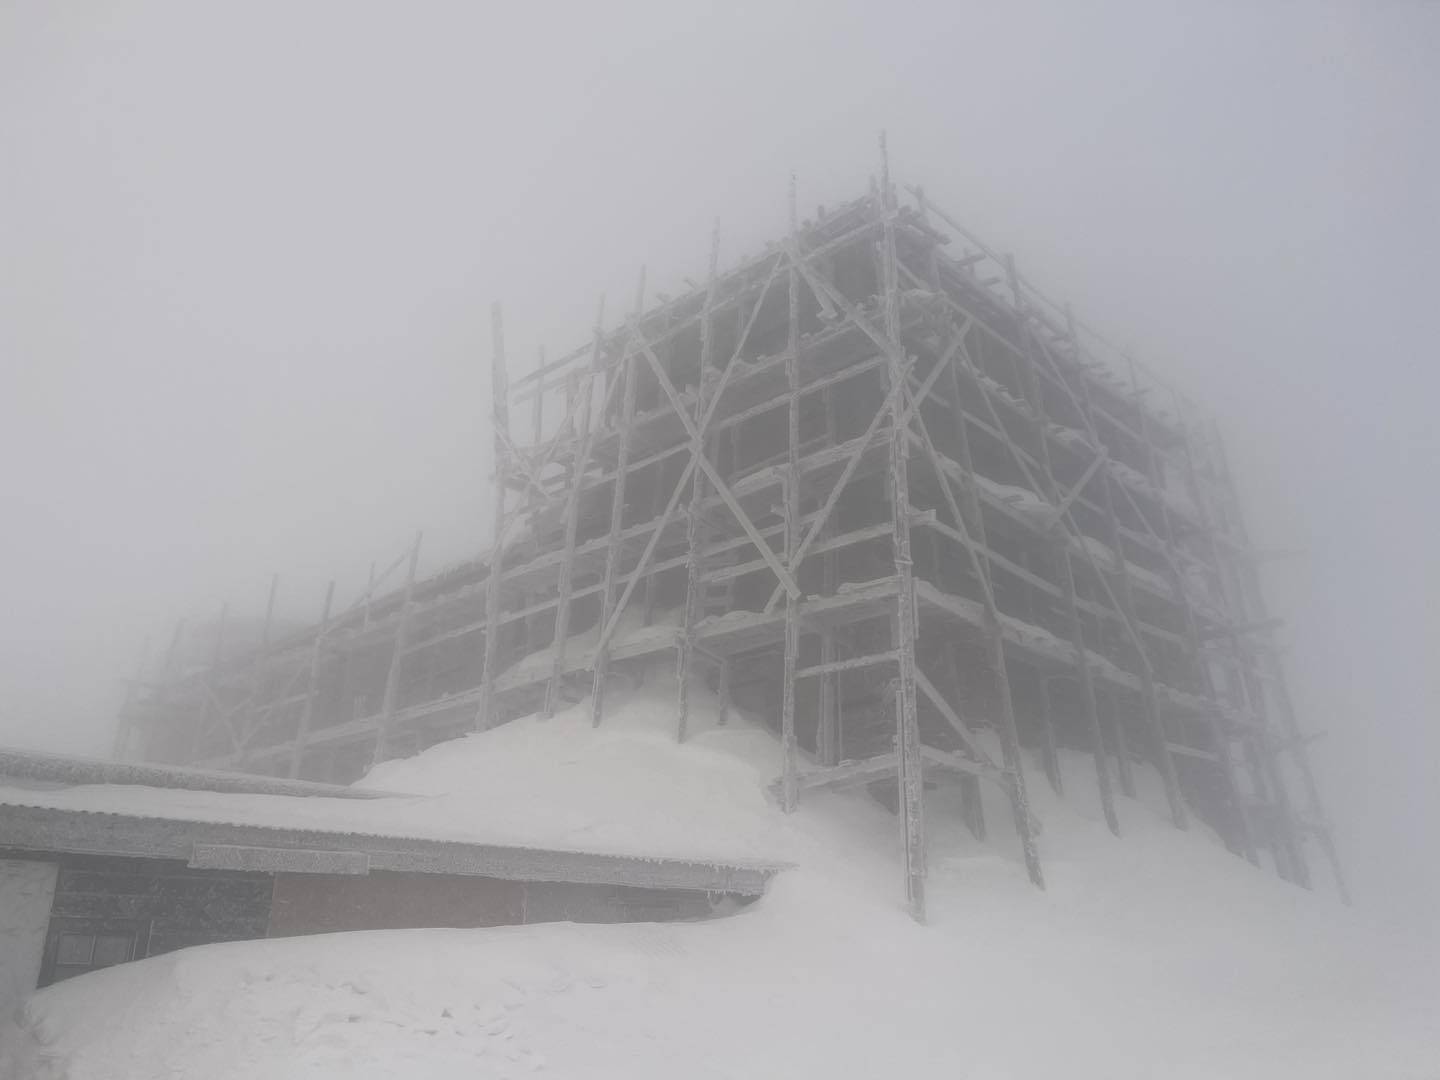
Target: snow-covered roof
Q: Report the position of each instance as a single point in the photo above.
(31, 765)
(537, 799)
(54, 828)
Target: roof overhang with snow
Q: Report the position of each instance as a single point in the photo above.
(212, 845)
(66, 769)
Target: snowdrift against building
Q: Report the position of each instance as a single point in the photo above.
(1158, 955)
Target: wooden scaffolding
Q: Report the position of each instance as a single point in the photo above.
(869, 484)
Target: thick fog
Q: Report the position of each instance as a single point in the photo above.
(247, 254)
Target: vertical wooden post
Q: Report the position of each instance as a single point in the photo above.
(995, 654)
(534, 499)
(695, 532)
(1089, 694)
(1202, 665)
(538, 409)
(652, 579)
(369, 596)
(1119, 744)
(485, 715)
(994, 640)
(727, 441)
(312, 686)
(789, 749)
(829, 741)
(629, 364)
(912, 780)
(213, 705)
(1121, 574)
(1090, 699)
(164, 691)
(1049, 754)
(1288, 719)
(1317, 813)
(995, 650)
(269, 614)
(581, 410)
(120, 748)
(666, 353)
(1150, 702)
(252, 706)
(397, 659)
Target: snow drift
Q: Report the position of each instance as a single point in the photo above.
(1158, 955)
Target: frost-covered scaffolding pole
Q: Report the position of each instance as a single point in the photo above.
(164, 690)
(725, 444)
(1269, 651)
(537, 418)
(1120, 590)
(980, 556)
(1217, 520)
(579, 406)
(120, 748)
(1063, 518)
(397, 659)
(1245, 682)
(994, 640)
(912, 780)
(1113, 494)
(312, 685)
(994, 634)
(627, 375)
(213, 709)
(1215, 722)
(1034, 395)
(255, 683)
(829, 739)
(1090, 699)
(788, 748)
(269, 618)
(893, 356)
(972, 804)
(500, 418)
(695, 533)
(1077, 540)
(1250, 721)
(369, 595)
(1051, 753)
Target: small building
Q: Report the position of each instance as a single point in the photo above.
(103, 862)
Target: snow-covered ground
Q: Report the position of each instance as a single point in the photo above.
(1159, 955)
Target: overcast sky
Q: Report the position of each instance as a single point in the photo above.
(247, 253)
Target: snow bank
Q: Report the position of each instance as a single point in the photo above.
(626, 787)
(1159, 955)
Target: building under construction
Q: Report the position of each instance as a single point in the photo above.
(871, 487)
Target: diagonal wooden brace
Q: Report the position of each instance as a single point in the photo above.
(698, 457)
(1070, 496)
(961, 728)
(886, 409)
